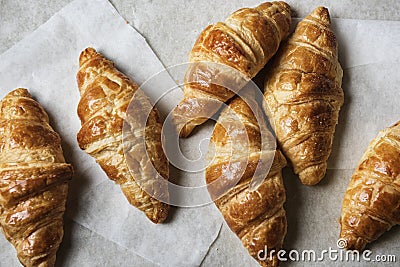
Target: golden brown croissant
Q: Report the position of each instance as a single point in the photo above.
(303, 95)
(105, 96)
(245, 41)
(371, 203)
(256, 217)
(33, 180)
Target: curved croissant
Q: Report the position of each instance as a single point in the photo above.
(33, 180)
(256, 217)
(303, 95)
(106, 94)
(371, 204)
(245, 41)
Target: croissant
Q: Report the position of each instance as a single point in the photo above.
(239, 143)
(303, 95)
(371, 204)
(33, 180)
(245, 42)
(137, 163)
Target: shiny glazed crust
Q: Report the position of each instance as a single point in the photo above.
(371, 204)
(105, 96)
(245, 41)
(33, 180)
(256, 217)
(303, 95)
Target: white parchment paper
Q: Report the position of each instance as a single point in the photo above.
(46, 63)
(369, 52)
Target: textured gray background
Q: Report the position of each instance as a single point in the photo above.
(171, 27)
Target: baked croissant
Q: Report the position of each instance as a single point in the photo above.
(245, 41)
(239, 143)
(303, 95)
(371, 203)
(142, 170)
(33, 180)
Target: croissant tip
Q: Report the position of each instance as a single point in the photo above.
(184, 133)
(322, 14)
(269, 262)
(160, 215)
(19, 92)
(313, 174)
(280, 4)
(395, 125)
(183, 130)
(157, 220)
(87, 54)
(352, 242)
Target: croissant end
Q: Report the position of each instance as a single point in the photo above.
(313, 175)
(354, 242)
(322, 14)
(87, 54)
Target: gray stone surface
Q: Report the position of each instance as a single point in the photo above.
(171, 27)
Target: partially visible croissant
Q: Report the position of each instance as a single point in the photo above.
(106, 94)
(33, 180)
(245, 41)
(371, 204)
(240, 142)
(303, 95)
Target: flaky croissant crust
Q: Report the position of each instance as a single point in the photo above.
(256, 217)
(245, 41)
(371, 204)
(303, 95)
(106, 94)
(33, 180)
